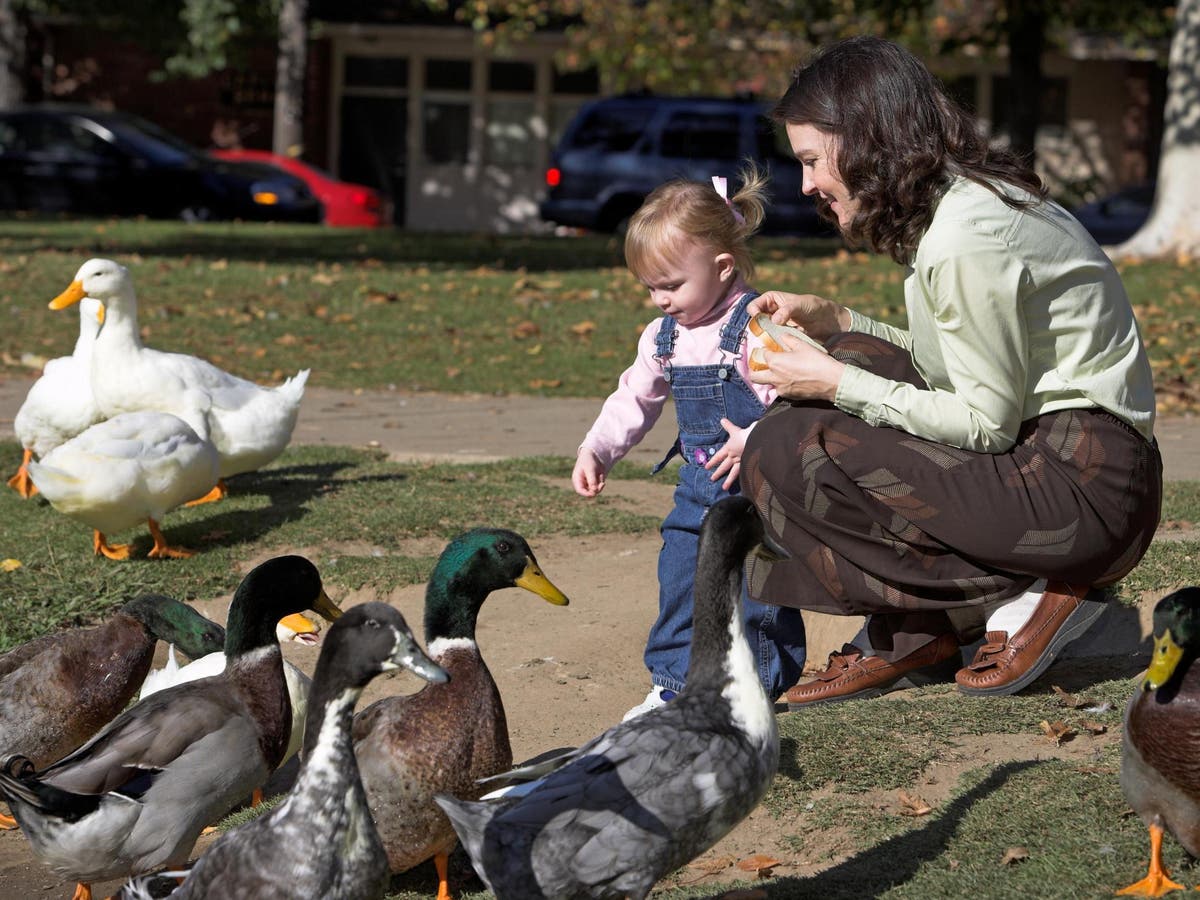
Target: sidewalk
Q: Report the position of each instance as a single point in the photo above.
(478, 428)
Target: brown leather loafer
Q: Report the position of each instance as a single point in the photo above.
(1005, 665)
(852, 676)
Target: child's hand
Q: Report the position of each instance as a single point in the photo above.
(588, 477)
(728, 460)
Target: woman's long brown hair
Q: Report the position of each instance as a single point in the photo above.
(901, 140)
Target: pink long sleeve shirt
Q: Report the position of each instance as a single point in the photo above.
(634, 407)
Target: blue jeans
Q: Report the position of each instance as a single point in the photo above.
(775, 633)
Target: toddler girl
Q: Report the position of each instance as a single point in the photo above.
(687, 244)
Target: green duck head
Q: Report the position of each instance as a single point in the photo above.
(471, 567)
(1176, 637)
(176, 623)
(272, 591)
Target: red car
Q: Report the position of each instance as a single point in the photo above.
(347, 205)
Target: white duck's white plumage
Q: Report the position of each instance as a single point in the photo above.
(296, 627)
(131, 468)
(249, 424)
(60, 405)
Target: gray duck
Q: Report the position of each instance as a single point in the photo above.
(654, 792)
(320, 840)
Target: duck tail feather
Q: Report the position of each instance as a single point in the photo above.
(469, 818)
(19, 783)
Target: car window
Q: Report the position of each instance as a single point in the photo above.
(148, 140)
(61, 139)
(612, 130)
(10, 138)
(772, 141)
(695, 135)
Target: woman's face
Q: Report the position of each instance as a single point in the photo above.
(817, 152)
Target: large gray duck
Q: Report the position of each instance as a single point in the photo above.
(446, 736)
(320, 840)
(136, 796)
(651, 793)
(1161, 741)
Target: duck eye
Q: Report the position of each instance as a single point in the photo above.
(503, 547)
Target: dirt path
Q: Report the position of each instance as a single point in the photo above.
(566, 673)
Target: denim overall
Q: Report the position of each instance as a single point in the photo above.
(704, 395)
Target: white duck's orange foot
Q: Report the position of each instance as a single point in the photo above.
(7, 823)
(112, 551)
(161, 549)
(82, 892)
(219, 492)
(21, 482)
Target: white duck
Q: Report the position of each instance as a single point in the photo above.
(249, 424)
(296, 627)
(59, 405)
(131, 467)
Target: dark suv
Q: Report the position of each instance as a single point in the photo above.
(87, 161)
(616, 150)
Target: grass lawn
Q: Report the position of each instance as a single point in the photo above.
(560, 318)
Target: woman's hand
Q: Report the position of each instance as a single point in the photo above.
(728, 460)
(819, 317)
(800, 372)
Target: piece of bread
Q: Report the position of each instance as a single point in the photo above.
(769, 333)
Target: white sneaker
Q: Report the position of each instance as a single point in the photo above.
(657, 697)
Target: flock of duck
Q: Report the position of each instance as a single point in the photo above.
(105, 789)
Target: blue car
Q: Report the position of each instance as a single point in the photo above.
(618, 149)
(1116, 218)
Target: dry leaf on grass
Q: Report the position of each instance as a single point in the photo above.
(912, 804)
(10, 565)
(759, 864)
(526, 329)
(538, 383)
(1069, 700)
(1014, 855)
(1058, 731)
(584, 329)
(1092, 727)
(706, 866)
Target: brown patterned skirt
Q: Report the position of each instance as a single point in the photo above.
(879, 522)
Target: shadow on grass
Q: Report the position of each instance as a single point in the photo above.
(897, 859)
(304, 243)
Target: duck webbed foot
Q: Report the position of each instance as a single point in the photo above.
(161, 549)
(218, 492)
(21, 482)
(102, 547)
(7, 823)
(1157, 881)
(441, 862)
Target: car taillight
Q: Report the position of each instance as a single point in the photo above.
(553, 177)
(364, 199)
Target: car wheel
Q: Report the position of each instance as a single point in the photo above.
(197, 213)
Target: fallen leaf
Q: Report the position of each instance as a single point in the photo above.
(954, 864)
(912, 804)
(219, 264)
(1067, 699)
(759, 864)
(584, 329)
(1013, 855)
(322, 278)
(10, 565)
(1092, 727)
(1058, 731)
(539, 383)
(526, 329)
(711, 865)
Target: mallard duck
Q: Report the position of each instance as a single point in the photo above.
(59, 405)
(1162, 738)
(58, 690)
(250, 425)
(651, 793)
(133, 467)
(320, 840)
(446, 736)
(136, 795)
(297, 627)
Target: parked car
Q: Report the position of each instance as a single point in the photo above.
(618, 149)
(346, 204)
(1117, 217)
(87, 161)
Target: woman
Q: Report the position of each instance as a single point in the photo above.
(994, 463)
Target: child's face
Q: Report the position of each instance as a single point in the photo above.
(690, 283)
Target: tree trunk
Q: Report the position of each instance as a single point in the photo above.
(1026, 41)
(12, 57)
(1174, 223)
(288, 134)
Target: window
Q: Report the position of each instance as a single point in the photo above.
(690, 135)
(376, 71)
(612, 130)
(576, 81)
(1052, 104)
(512, 133)
(448, 74)
(512, 77)
(447, 131)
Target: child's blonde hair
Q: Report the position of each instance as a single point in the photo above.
(684, 210)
